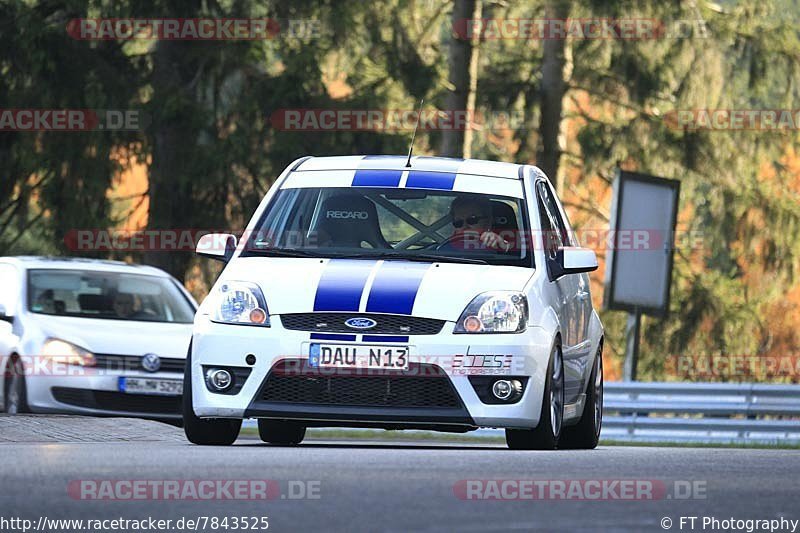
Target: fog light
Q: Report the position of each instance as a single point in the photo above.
(219, 379)
(506, 390)
(502, 389)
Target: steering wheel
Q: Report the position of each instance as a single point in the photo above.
(147, 314)
(457, 237)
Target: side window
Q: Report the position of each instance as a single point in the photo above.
(9, 288)
(550, 237)
(553, 231)
(570, 238)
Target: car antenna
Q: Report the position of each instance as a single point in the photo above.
(413, 135)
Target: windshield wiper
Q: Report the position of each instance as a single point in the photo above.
(416, 257)
(283, 252)
(426, 257)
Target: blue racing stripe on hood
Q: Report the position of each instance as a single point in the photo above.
(395, 287)
(341, 285)
(332, 337)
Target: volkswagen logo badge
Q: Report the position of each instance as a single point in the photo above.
(151, 362)
(360, 323)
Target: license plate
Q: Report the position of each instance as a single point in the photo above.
(358, 356)
(163, 387)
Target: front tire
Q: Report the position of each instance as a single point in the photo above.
(16, 392)
(546, 435)
(206, 432)
(280, 432)
(586, 434)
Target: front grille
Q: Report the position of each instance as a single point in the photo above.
(385, 324)
(118, 401)
(423, 385)
(133, 363)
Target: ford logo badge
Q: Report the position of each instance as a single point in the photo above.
(360, 323)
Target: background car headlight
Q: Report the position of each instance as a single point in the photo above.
(494, 312)
(59, 351)
(239, 302)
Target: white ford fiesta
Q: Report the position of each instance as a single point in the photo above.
(376, 291)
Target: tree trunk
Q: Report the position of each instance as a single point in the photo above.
(463, 78)
(170, 189)
(556, 68)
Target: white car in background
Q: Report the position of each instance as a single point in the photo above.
(372, 291)
(92, 337)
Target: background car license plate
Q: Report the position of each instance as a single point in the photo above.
(164, 387)
(358, 356)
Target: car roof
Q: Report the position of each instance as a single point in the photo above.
(81, 263)
(475, 167)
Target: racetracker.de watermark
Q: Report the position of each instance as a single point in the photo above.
(72, 119)
(537, 29)
(187, 240)
(192, 29)
(193, 489)
(733, 119)
(393, 120)
(580, 489)
(734, 367)
(472, 364)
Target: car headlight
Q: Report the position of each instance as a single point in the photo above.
(59, 351)
(239, 302)
(494, 312)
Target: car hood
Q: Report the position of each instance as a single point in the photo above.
(431, 290)
(119, 337)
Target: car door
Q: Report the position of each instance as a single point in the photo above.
(583, 295)
(556, 236)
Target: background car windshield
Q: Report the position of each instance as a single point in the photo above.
(329, 222)
(107, 295)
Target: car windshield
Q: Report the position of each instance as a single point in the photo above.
(107, 295)
(371, 222)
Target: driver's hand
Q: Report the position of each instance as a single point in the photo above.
(495, 241)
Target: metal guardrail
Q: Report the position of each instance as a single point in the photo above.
(702, 412)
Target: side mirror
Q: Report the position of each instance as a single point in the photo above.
(4, 315)
(571, 260)
(219, 246)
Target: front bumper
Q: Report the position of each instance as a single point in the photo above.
(96, 392)
(225, 345)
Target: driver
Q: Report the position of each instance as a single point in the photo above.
(124, 305)
(472, 224)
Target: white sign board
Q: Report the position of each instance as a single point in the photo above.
(639, 257)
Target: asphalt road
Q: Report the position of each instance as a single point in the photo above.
(380, 486)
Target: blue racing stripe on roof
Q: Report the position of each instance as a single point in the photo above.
(384, 338)
(395, 287)
(341, 285)
(431, 180)
(332, 337)
(377, 178)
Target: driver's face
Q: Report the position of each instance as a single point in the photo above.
(123, 305)
(470, 218)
